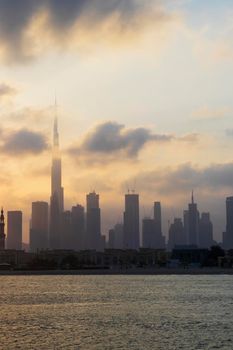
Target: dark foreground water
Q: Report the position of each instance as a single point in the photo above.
(116, 312)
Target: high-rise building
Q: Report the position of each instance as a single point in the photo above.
(116, 237)
(66, 241)
(119, 236)
(39, 226)
(205, 231)
(14, 230)
(73, 228)
(193, 223)
(186, 225)
(93, 222)
(2, 231)
(148, 233)
(78, 227)
(57, 195)
(131, 221)
(152, 236)
(158, 216)
(159, 239)
(228, 237)
(176, 234)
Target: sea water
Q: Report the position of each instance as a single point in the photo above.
(116, 312)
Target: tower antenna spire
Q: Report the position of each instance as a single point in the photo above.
(192, 197)
(55, 125)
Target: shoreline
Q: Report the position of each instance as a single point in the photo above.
(131, 271)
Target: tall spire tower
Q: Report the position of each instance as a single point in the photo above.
(57, 195)
(56, 172)
(193, 222)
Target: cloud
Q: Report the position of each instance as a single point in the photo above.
(206, 113)
(23, 142)
(111, 138)
(6, 91)
(28, 26)
(189, 138)
(184, 178)
(30, 114)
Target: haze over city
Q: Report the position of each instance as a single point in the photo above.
(144, 102)
(116, 182)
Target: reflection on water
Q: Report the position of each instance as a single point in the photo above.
(116, 312)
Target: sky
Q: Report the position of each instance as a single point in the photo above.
(144, 91)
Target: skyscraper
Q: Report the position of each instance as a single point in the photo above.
(186, 225)
(152, 236)
(193, 223)
(57, 195)
(205, 231)
(176, 234)
(148, 233)
(14, 230)
(116, 237)
(159, 239)
(119, 236)
(2, 231)
(228, 241)
(39, 226)
(158, 216)
(131, 221)
(78, 227)
(65, 231)
(93, 222)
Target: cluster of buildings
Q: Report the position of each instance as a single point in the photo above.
(79, 229)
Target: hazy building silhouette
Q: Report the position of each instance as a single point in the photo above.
(193, 223)
(93, 222)
(78, 227)
(228, 237)
(14, 229)
(148, 233)
(158, 216)
(119, 236)
(159, 240)
(66, 241)
(57, 195)
(39, 226)
(111, 238)
(2, 231)
(205, 231)
(102, 243)
(186, 225)
(131, 221)
(224, 240)
(116, 237)
(176, 234)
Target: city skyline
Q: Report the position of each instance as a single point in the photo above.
(54, 234)
(146, 89)
(54, 227)
(116, 195)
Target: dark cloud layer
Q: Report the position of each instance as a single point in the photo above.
(113, 138)
(16, 17)
(6, 90)
(23, 142)
(186, 177)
